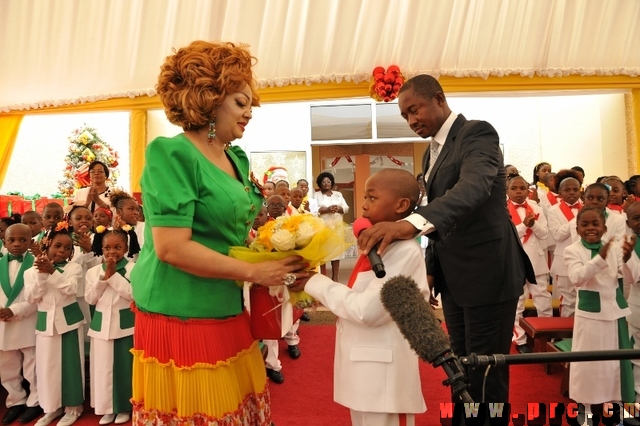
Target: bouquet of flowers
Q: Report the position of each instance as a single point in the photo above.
(303, 235)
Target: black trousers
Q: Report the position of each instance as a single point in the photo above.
(484, 330)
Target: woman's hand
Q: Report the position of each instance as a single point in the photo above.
(272, 273)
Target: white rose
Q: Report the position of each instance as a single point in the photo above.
(283, 240)
(304, 234)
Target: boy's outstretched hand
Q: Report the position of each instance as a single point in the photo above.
(628, 245)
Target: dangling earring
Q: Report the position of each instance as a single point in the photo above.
(212, 131)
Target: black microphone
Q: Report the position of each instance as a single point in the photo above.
(376, 262)
(359, 225)
(414, 317)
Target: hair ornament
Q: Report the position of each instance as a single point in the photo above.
(126, 227)
(63, 224)
(100, 229)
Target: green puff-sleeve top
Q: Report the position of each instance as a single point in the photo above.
(181, 188)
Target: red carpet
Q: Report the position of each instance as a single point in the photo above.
(306, 396)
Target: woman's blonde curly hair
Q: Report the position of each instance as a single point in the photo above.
(197, 78)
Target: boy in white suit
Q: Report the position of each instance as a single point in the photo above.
(375, 371)
(562, 224)
(52, 284)
(17, 329)
(531, 225)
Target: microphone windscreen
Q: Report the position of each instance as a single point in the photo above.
(414, 316)
(360, 224)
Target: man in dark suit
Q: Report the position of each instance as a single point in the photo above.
(474, 252)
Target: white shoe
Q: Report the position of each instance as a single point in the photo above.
(106, 419)
(49, 417)
(123, 418)
(72, 414)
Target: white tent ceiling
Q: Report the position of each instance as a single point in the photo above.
(56, 52)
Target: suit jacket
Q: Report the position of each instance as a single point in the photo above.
(375, 369)
(596, 279)
(475, 251)
(55, 295)
(113, 317)
(536, 245)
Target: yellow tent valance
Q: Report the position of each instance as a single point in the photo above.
(10, 122)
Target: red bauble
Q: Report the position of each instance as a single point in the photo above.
(377, 70)
(379, 76)
(394, 69)
(388, 87)
(389, 78)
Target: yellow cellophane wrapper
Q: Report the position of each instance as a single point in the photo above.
(326, 242)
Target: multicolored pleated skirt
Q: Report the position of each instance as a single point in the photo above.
(198, 371)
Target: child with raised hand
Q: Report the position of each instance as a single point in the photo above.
(308, 202)
(108, 287)
(33, 220)
(600, 323)
(6, 222)
(531, 224)
(296, 201)
(372, 358)
(127, 214)
(81, 223)
(17, 325)
(102, 216)
(52, 284)
(562, 220)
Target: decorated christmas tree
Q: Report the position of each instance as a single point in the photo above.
(85, 146)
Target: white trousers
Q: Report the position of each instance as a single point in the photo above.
(567, 295)
(541, 300)
(363, 418)
(49, 368)
(272, 361)
(11, 364)
(633, 321)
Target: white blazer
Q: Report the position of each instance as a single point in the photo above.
(19, 331)
(596, 279)
(113, 317)
(55, 294)
(560, 230)
(375, 370)
(536, 245)
(631, 276)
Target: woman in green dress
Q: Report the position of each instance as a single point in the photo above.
(195, 360)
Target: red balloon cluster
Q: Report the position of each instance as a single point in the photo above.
(386, 83)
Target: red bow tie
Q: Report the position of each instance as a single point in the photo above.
(520, 206)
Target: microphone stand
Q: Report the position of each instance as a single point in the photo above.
(474, 360)
(456, 378)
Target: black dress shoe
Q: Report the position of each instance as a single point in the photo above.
(305, 317)
(30, 414)
(524, 349)
(13, 413)
(294, 351)
(275, 376)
